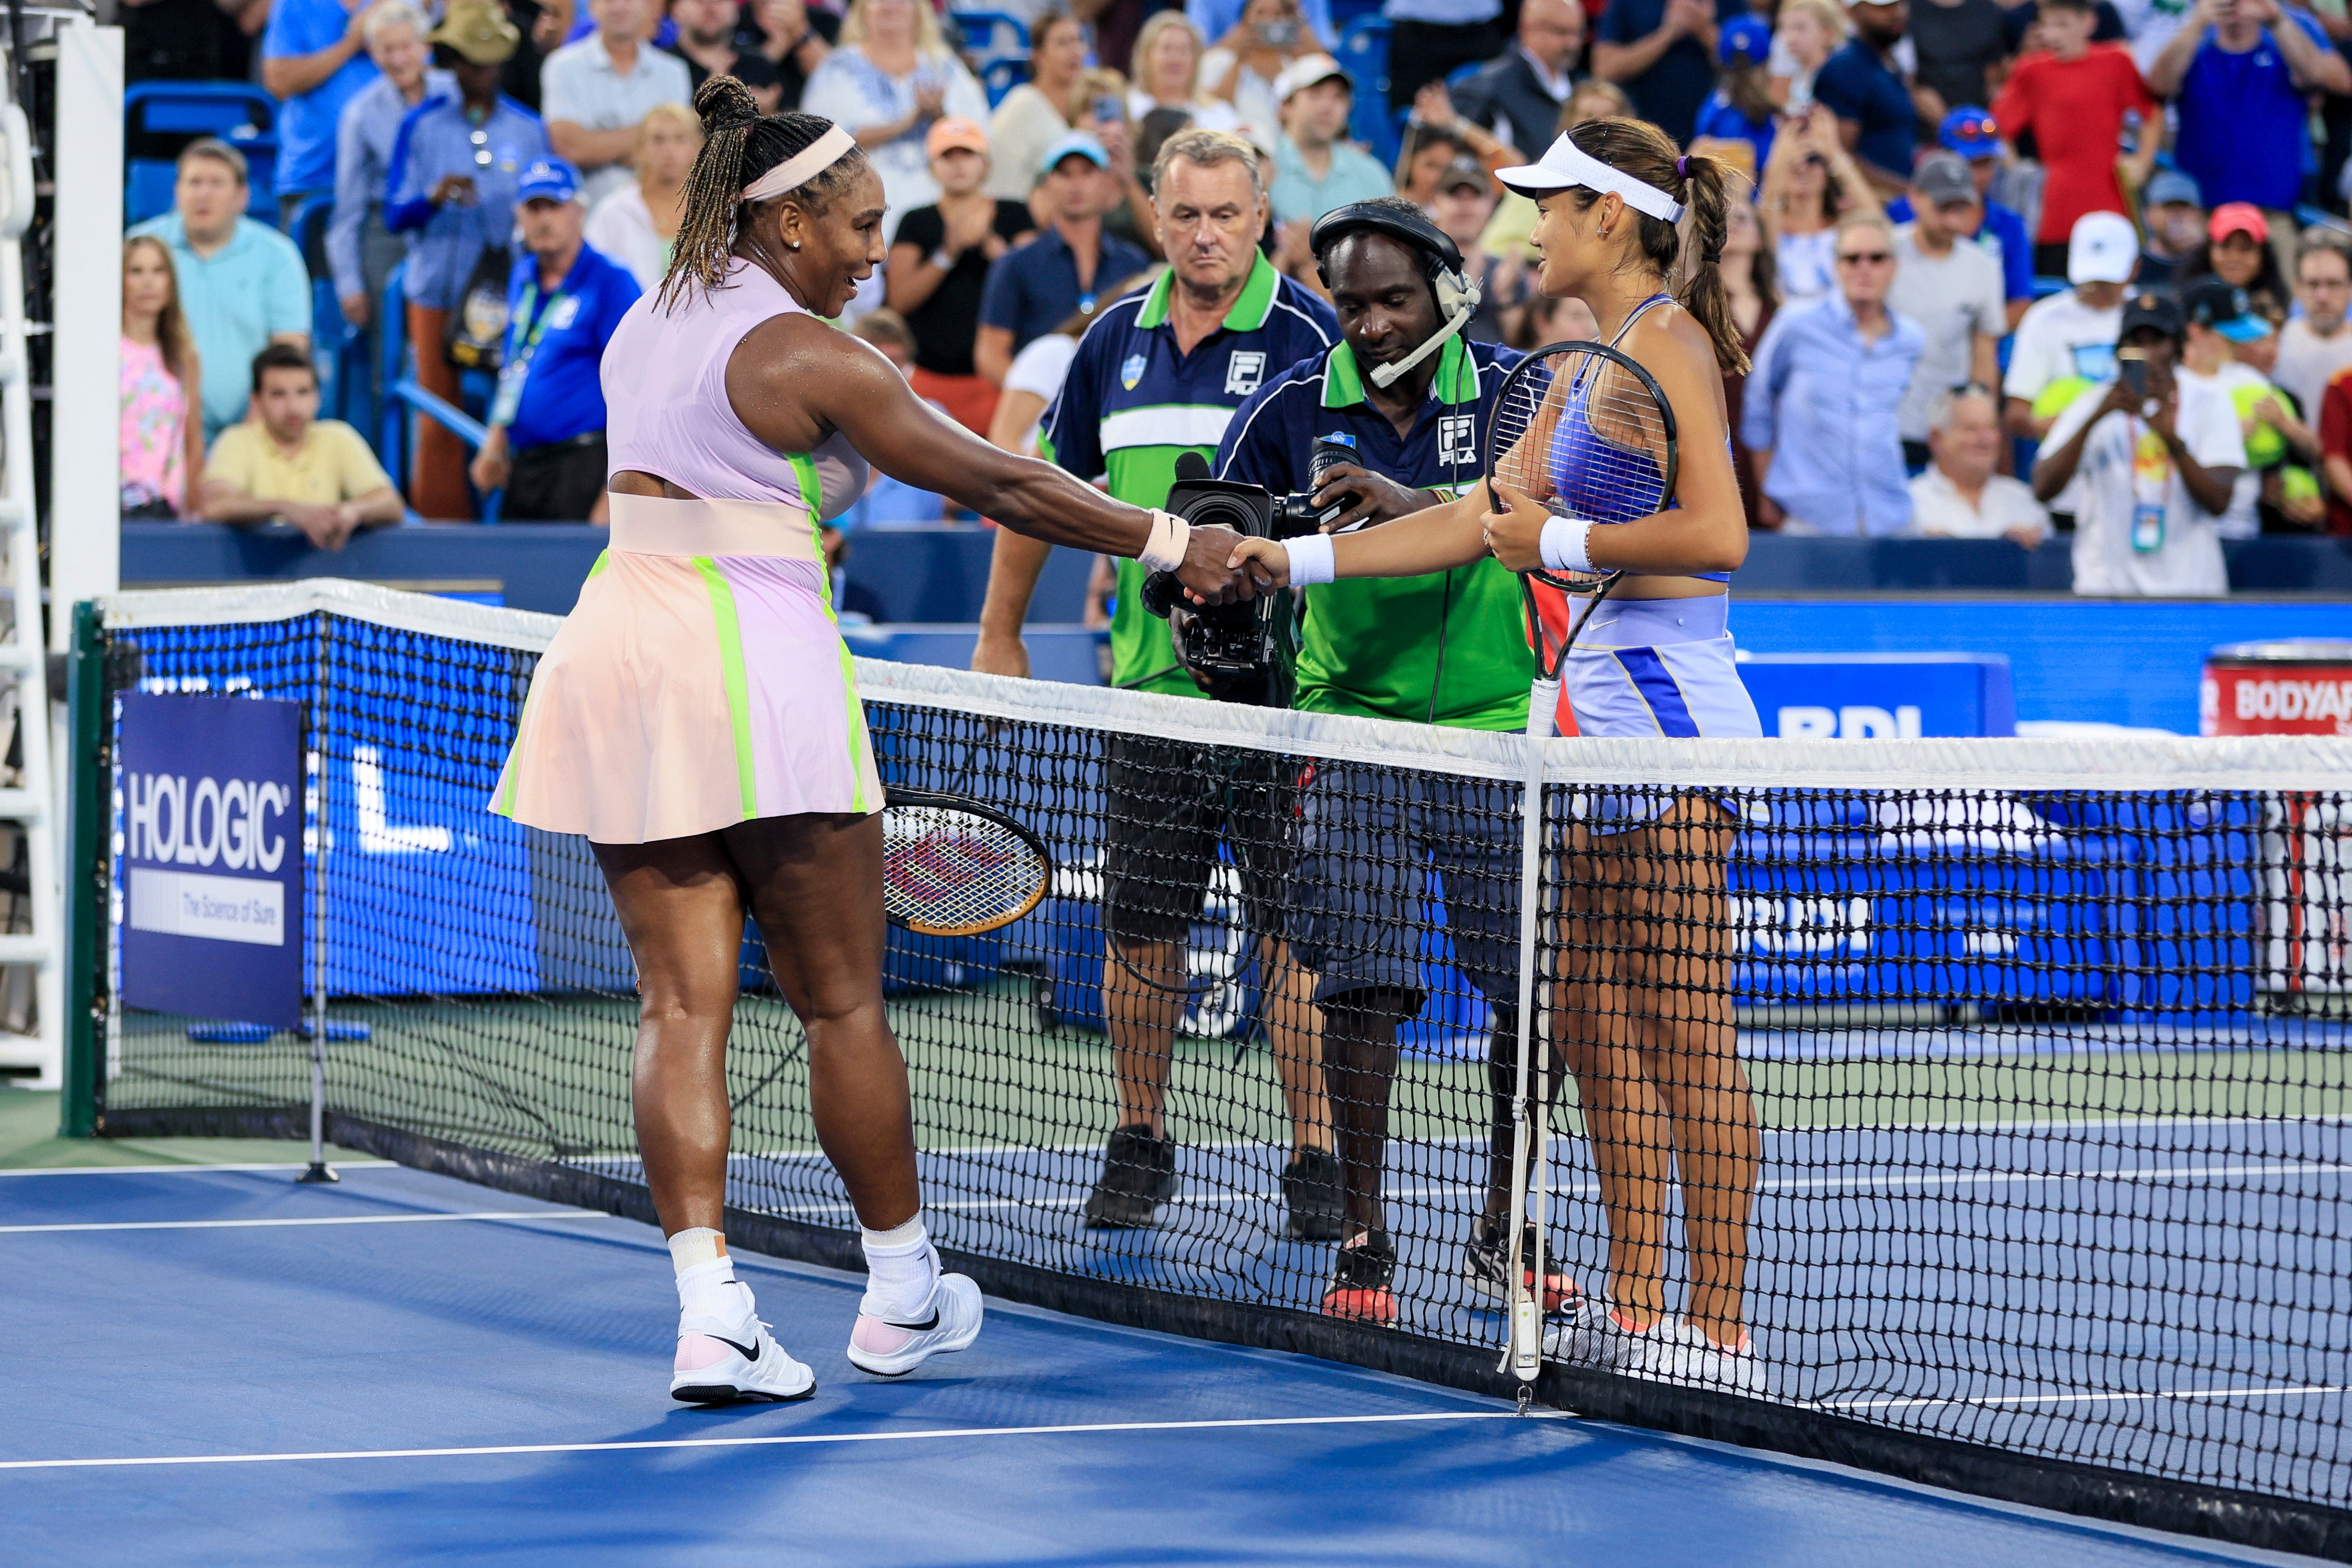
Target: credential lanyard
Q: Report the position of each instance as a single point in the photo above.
(517, 370)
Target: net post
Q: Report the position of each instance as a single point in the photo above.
(319, 1171)
(1523, 1343)
(90, 773)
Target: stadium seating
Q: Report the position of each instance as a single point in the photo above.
(239, 113)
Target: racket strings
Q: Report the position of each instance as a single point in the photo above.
(951, 872)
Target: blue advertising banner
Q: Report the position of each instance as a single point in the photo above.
(212, 857)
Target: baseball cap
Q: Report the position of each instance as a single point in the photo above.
(1971, 132)
(1744, 41)
(549, 180)
(2167, 187)
(1466, 172)
(2103, 248)
(954, 131)
(1942, 177)
(478, 31)
(2224, 307)
(1305, 72)
(2152, 308)
(1076, 144)
(2239, 217)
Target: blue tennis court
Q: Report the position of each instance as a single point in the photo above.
(218, 1365)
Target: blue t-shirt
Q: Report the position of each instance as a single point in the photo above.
(2002, 236)
(1856, 84)
(306, 125)
(2244, 125)
(1033, 288)
(561, 394)
(1668, 94)
(1719, 117)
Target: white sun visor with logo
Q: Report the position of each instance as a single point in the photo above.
(1565, 164)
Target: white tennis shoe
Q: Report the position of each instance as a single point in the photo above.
(891, 1349)
(1674, 1352)
(721, 1362)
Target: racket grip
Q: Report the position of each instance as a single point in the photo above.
(1543, 709)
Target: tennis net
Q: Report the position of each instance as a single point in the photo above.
(1998, 1088)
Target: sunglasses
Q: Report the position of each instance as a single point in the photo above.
(1857, 257)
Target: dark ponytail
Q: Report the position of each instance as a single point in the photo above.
(1646, 153)
(738, 145)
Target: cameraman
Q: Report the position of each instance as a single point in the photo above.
(1158, 374)
(1445, 649)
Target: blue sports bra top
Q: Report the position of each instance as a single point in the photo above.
(1582, 459)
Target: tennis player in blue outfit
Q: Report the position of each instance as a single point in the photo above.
(1643, 1017)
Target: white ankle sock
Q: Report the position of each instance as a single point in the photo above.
(707, 1286)
(901, 1268)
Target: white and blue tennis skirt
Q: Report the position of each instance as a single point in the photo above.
(1656, 667)
(1644, 667)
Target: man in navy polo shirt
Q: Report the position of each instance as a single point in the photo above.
(1033, 288)
(546, 445)
(1446, 648)
(1157, 375)
(1863, 86)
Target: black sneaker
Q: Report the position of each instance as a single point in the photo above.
(1311, 1191)
(1487, 1264)
(1139, 1175)
(1360, 1278)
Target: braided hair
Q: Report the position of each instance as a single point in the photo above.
(738, 145)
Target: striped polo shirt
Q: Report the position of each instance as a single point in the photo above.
(1131, 405)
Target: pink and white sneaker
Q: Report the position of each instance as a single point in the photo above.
(721, 1363)
(893, 1349)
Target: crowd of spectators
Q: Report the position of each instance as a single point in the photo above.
(2005, 268)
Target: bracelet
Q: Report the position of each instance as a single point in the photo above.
(1312, 560)
(1562, 546)
(1165, 550)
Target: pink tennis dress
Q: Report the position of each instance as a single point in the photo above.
(701, 680)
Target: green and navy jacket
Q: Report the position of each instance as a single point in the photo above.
(1131, 405)
(1448, 648)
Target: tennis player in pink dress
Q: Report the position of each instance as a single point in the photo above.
(697, 717)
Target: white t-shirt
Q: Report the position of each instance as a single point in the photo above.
(1953, 296)
(2137, 532)
(2307, 362)
(2243, 520)
(2062, 337)
(1939, 511)
(1038, 369)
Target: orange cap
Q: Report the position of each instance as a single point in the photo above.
(954, 131)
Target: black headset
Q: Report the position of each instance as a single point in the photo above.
(1441, 258)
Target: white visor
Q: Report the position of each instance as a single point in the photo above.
(1565, 164)
(801, 167)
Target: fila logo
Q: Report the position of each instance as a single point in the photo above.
(1244, 371)
(1458, 440)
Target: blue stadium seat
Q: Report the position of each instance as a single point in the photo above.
(1364, 50)
(239, 113)
(997, 46)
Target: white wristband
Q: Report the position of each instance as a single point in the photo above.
(1312, 560)
(1563, 544)
(1165, 550)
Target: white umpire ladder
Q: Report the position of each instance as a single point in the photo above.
(30, 802)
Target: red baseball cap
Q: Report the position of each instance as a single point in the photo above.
(2238, 217)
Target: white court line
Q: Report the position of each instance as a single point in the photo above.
(2080, 1398)
(192, 1169)
(810, 1437)
(327, 1219)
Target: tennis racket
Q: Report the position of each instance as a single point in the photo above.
(1587, 432)
(954, 867)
